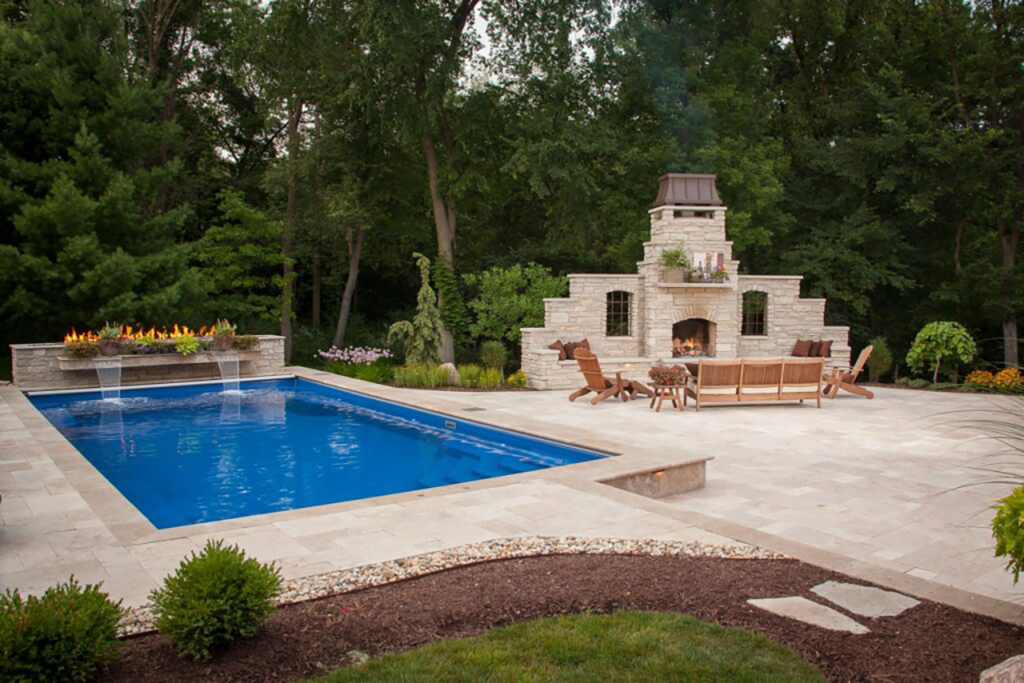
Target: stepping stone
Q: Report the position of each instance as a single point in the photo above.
(811, 613)
(865, 600)
(1010, 671)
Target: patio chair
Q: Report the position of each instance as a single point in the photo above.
(601, 385)
(847, 379)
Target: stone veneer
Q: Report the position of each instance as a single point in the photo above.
(656, 305)
(39, 366)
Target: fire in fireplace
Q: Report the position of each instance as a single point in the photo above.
(693, 338)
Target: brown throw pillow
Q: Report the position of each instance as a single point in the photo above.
(802, 348)
(583, 344)
(826, 348)
(815, 348)
(560, 347)
(570, 349)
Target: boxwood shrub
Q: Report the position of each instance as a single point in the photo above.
(214, 598)
(68, 634)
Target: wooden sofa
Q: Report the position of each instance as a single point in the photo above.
(738, 381)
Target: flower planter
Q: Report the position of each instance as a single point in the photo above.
(108, 348)
(674, 275)
(225, 343)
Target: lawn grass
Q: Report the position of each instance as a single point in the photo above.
(625, 646)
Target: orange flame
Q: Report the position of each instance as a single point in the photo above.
(136, 332)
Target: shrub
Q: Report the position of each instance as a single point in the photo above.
(880, 360)
(1006, 381)
(491, 378)
(245, 342)
(940, 342)
(469, 375)
(214, 598)
(517, 380)
(453, 309)
(493, 355)
(420, 338)
(186, 345)
(69, 634)
(1008, 531)
(674, 258)
(508, 299)
(377, 373)
(418, 376)
(81, 349)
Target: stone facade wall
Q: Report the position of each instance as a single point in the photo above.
(656, 305)
(36, 367)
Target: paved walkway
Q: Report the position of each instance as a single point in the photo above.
(867, 487)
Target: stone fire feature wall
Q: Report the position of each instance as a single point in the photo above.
(656, 305)
(42, 366)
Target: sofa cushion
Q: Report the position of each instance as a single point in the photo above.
(802, 348)
(815, 348)
(825, 351)
(800, 388)
(560, 347)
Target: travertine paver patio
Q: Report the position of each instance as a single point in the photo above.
(867, 487)
(890, 482)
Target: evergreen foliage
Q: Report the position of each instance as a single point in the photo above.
(880, 360)
(453, 309)
(420, 339)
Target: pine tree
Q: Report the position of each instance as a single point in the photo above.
(87, 232)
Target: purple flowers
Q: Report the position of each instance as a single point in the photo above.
(357, 355)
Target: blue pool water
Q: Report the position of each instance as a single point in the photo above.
(191, 454)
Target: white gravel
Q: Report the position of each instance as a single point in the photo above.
(141, 620)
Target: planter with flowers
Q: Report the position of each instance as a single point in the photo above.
(669, 376)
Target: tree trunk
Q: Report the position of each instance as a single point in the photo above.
(935, 377)
(294, 116)
(444, 225)
(1009, 240)
(316, 291)
(354, 255)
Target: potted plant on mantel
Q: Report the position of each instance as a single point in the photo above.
(675, 265)
(224, 335)
(674, 376)
(109, 339)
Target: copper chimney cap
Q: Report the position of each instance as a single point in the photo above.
(687, 189)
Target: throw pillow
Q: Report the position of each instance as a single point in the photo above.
(802, 348)
(583, 344)
(826, 348)
(570, 349)
(560, 347)
(815, 349)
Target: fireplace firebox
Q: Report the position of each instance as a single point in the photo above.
(693, 338)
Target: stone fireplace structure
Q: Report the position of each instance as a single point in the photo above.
(636, 321)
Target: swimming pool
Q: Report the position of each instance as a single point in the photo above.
(192, 454)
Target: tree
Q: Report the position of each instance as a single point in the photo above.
(420, 338)
(938, 342)
(85, 232)
(240, 260)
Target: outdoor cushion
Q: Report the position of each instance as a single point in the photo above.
(826, 348)
(760, 390)
(802, 348)
(560, 347)
(815, 348)
(583, 344)
(799, 388)
(569, 348)
(710, 391)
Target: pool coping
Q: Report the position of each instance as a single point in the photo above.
(130, 527)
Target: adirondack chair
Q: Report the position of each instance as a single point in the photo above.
(601, 385)
(846, 379)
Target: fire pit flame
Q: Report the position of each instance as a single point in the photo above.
(138, 332)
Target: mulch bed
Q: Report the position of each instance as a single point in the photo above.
(930, 642)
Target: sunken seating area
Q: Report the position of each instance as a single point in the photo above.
(737, 381)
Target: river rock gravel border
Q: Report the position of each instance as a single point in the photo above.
(140, 620)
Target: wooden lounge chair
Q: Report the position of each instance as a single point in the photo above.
(601, 385)
(846, 379)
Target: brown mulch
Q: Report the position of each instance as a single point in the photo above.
(930, 642)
